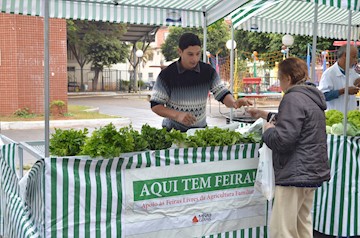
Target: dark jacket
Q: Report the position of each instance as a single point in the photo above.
(298, 140)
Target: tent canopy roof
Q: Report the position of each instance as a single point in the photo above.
(184, 13)
(136, 33)
(297, 17)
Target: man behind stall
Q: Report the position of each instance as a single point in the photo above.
(181, 90)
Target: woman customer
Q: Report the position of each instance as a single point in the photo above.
(297, 138)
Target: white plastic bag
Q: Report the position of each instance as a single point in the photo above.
(265, 177)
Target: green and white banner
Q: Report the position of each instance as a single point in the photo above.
(336, 204)
(16, 218)
(192, 199)
(195, 192)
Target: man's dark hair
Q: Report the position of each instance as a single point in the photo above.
(188, 39)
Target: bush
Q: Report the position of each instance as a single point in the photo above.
(24, 113)
(57, 107)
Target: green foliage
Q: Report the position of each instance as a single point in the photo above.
(140, 144)
(351, 129)
(106, 142)
(353, 116)
(134, 140)
(217, 35)
(58, 103)
(24, 113)
(96, 42)
(328, 129)
(170, 47)
(141, 83)
(177, 137)
(219, 137)
(269, 42)
(57, 107)
(67, 142)
(105, 52)
(333, 117)
(157, 138)
(337, 129)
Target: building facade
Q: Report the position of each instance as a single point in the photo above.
(22, 63)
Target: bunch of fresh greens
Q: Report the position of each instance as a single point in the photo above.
(177, 138)
(67, 142)
(107, 142)
(353, 116)
(156, 138)
(220, 137)
(135, 138)
(333, 117)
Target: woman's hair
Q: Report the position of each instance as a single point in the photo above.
(295, 68)
(188, 39)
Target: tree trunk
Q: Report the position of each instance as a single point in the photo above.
(96, 79)
(82, 86)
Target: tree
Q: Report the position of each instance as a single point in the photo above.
(217, 35)
(269, 42)
(134, 61)
(76, 31)
(97, 42)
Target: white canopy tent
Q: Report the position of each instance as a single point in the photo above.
(152, 12)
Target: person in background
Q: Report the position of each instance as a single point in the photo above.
(333, 81)
(298, 142)
(181, 90)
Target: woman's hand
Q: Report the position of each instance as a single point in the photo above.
(257, 113)
(268, 125)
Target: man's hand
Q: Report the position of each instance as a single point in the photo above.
(242, 102)
(357, 82)
(185, 118)
(353, 90)
(257, 113)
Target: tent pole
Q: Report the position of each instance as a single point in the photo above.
(346, 94)
(313, 50)
(204, 33)
(46, 75)
(308, 58)
(232, 68)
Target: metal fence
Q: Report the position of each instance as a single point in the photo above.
(35, 149)
(109, 80)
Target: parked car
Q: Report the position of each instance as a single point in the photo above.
(149, 85)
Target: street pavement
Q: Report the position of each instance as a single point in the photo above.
(136, 107)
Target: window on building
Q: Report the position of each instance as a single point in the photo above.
(70, 55)
(71, 69)
(151, 76)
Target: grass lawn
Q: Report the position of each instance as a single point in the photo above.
(74, 112)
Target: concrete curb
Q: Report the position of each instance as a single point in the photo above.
(25, 125)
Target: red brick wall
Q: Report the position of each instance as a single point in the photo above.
(22, 62)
